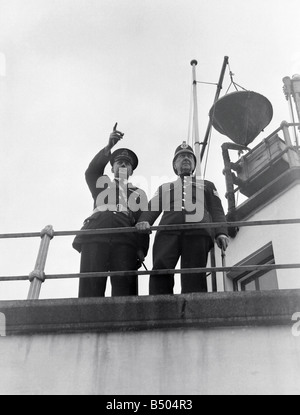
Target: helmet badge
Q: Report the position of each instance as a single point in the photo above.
(184, 145)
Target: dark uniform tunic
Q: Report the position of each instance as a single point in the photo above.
(110, 252)
(192, 246)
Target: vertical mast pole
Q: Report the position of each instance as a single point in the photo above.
(194, 63)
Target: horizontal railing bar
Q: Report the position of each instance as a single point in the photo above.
(20, 235)
(281, 128)
(15, 278)
(187, 226)
(274, 132)
(241, 268)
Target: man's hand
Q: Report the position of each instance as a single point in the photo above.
(222, 242)
(114, 137)
(140, 258)
(140, 255)
(143, 227)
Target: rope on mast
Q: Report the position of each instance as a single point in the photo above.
(231, 74)
(194, 63)
(190, 117)
(219, 87)
(207, 140)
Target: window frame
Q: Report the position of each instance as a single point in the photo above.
(262, 256)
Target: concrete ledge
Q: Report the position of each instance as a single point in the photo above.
(152, 312)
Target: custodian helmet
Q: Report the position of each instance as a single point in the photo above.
(183, 148)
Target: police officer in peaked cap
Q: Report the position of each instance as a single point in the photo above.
(124, 154)
(191, 246)
(117, 251)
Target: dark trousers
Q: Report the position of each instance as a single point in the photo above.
(102, 257)
(167, 249)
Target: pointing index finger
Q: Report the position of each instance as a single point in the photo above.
(115, 126)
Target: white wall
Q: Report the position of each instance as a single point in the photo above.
(285, 238)
(213, 361)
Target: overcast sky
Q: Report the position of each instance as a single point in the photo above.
(70, 69)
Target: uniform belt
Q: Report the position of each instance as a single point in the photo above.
(111, 208)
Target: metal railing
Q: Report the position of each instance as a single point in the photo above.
(291, 151)
(38, 276)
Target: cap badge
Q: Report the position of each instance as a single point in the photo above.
(184, 145)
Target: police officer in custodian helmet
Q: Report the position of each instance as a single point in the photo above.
(192, 246)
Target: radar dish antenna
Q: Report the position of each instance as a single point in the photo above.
(241, 116)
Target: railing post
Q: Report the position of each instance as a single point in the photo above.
(286, 133)
(223, 256)
(37, 276)
(213, 274)
(292, 155)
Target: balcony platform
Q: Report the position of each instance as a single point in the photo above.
(212, 310)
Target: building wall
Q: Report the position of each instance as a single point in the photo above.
(285, 238)
(173, 362)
